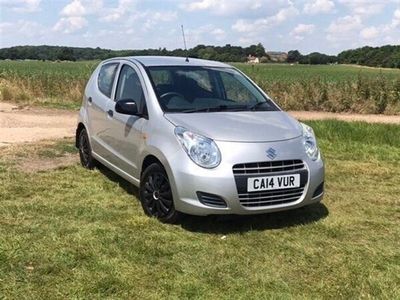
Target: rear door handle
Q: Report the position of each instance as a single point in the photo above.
(110, 113)
(90, 100)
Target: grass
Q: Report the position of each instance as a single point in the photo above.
(337, 88)
(331, 73)
(74, 233)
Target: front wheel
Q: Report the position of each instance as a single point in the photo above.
(85, 151)
(156, 194)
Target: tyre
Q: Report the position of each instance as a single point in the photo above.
(156, 195)
(85, 151)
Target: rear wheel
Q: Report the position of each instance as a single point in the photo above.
(85, 151)
(156, 194)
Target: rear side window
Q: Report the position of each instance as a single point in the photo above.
(106, 78)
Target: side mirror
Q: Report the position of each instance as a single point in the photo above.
(126, 107)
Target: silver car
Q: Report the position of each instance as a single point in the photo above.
(197, 137)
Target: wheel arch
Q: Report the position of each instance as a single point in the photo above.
(148, 160)
(154, 155)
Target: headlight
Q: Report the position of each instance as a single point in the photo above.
(202, 150)
(309, 141)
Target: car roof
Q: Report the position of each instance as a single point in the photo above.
(151, 61)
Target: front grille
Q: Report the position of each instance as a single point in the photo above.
(268, 198)
(268, 167)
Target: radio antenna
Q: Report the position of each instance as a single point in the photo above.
(184, 43)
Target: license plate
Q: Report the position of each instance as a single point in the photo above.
(278, 182)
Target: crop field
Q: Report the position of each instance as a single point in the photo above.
(53, 84)
(334, 88)
(73, 233)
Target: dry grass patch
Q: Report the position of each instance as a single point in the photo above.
(41, 156)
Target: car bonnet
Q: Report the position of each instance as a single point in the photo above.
(247, 126)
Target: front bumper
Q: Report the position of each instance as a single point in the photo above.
(187, 179)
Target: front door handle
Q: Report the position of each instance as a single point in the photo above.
(110, 113)
(90, 100)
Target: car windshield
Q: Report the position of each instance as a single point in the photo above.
(206, 89)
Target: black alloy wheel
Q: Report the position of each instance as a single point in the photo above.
(85, 151)
(156, 195)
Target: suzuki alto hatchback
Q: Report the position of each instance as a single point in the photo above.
(197, 137)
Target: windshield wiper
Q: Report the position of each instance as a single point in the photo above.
(216, 108)
(205, 109)
(258, 104)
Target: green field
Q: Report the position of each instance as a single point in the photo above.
(329, 73)
(74, 233)
(54, 84)
(336, 88)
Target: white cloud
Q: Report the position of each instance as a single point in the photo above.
(223, 7)
(284, 14)
(304, 29)
(388, 33)
(164, 16)
(21, 6)
(279, 24)
(369, 33)
(202, 35)
(26, 29)
(112, 16)
(396, 13)
(344, 28)
(6, 27)
(318, 6)
(116, 13)
(200, 5)
(73, 15)
(301, 30)
(218, 33)
(366, 7)
(396, 18)
(70, 24)
(151, 18)
(246, 26)
(74, 9)
(72, 18)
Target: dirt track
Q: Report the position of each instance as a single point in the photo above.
(35, 124)
(316, 115)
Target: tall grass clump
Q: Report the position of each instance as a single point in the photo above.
(363, 95)
(329, 88)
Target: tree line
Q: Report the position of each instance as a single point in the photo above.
(227, 53)
(315, 58)
(385, 56)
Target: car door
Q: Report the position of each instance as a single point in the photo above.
(98, 98)
(126, 130)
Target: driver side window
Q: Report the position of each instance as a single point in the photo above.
(129, 86)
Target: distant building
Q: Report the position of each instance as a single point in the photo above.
(253, 59)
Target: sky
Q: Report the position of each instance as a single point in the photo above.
(328, 26)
